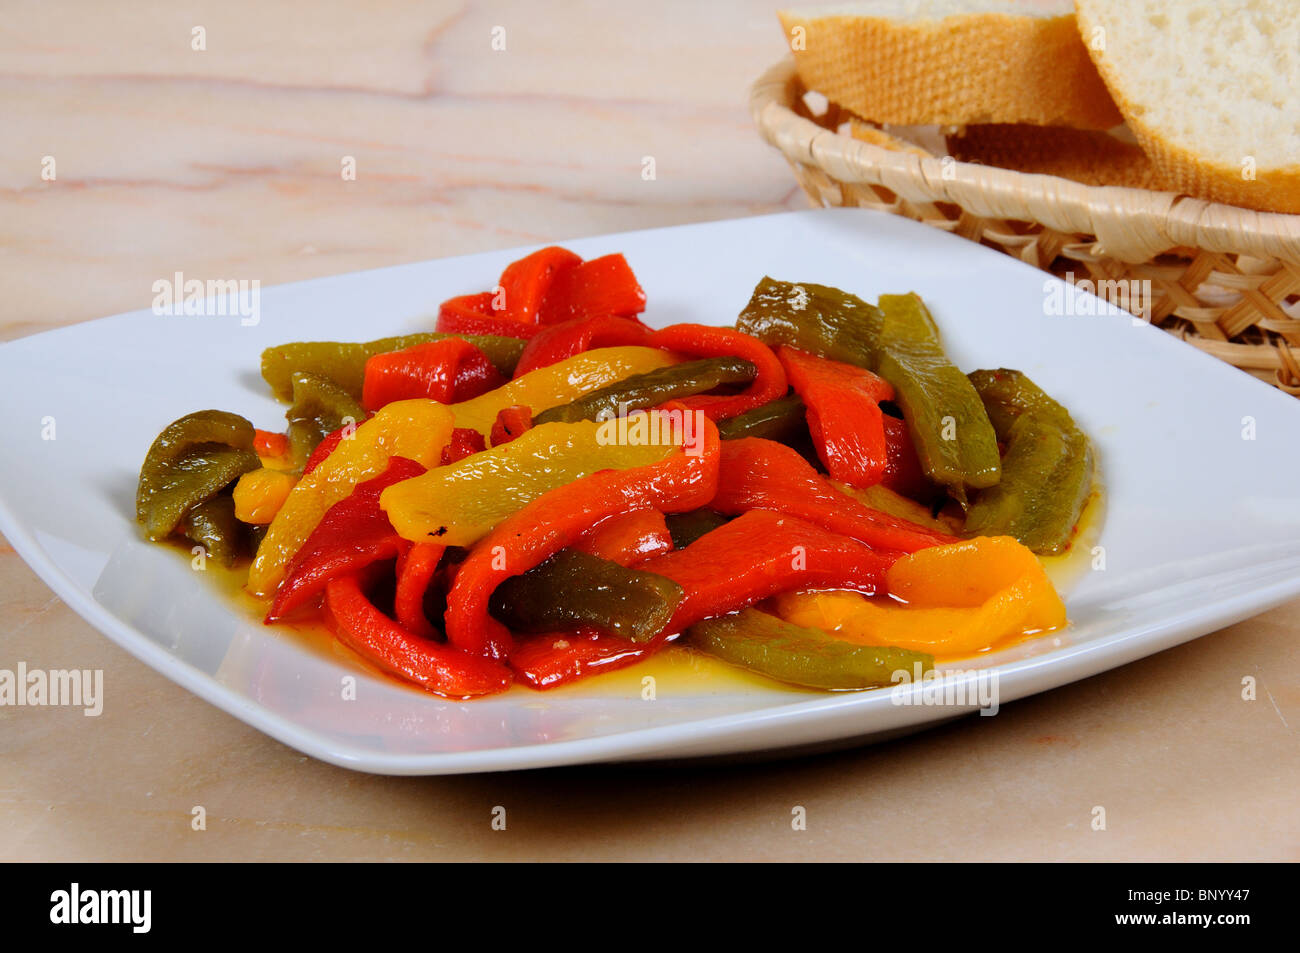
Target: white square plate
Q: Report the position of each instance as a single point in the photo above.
(1202, 525)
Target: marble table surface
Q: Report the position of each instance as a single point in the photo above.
(147, 138)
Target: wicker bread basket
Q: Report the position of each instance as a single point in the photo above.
(1223, 278)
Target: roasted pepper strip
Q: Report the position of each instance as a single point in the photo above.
(682, 481)
(474, 314)
(628, 539)
(319, 408)
(525, 283)
(448, 371)
(572, 590)
(1046, 469)
(807, 657)
(441, 669)
(950, 429)
(559, 383)
(761, 474)
(351, 535)
(464, 443)
(415, 429)
(458, 505)
(510, 423)
(760, 554)
(563, 340)
(783, 420)
(189, 463)
(345, 363)
(844, 416)
(416, 568)
(903, 473)
(601, 286)
(885, 500)
(561, 658)
(260, 493)
(813, 318)
(642, 391)
(213, 526)
(702, 340)
(959, 599)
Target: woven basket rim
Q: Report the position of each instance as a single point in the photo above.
(1131, 224)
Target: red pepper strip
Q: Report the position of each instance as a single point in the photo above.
(447, 371)
(701, 340)
(760, 554)
(903, 473)
(629, 538)
(678, 483)
(415, 570)
(600, 286)
(473, 314)
(763, 474)
(527, 281)
(326, 447)
(377, 638)
(844, 416)
(268, 444)
(464, 442)
(559, 658)
(352, 534)
(560, 341)
(510, 423)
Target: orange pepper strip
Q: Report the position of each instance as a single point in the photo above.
(416, 568)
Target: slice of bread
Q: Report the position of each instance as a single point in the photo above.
(951, 62)
(1084, 155)
(1211, 89)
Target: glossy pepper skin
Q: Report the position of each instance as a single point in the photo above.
(345, 362)
(814, 318)
(560, 341)
(699, 340)
(643, 391)
(806, 657)
(319, 408)
(447, 371)
(415, 429)
(474, 314)
(761, 474)
(760, 554)
(213, 526)
(949, 426)
(352, 534)
(511, 422)
(629, 538)
(844, 415)
(416, 568)
(783, 420)
(1046, 469)
(602, 286)
(560, 517)
(436, 667)
(190, 462)
(525, 283)
(561, 658)
(559, 383)
(458, 505)
(573, 590)
(464, 443)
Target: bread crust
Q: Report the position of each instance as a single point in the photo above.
(1083, 155)
(965, 68)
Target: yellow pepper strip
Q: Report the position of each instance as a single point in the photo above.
(560, 383)
(961, 598)
(415, 429)
(458, 505)
(259, 494)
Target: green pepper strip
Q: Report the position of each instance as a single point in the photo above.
(642, 391)
(319, 408)
(214, 527)
(800, 656)
(573, 589)
(1046, 470)
(945, 416)
(815, 318)
(784, 420)
(345, 363)
(189, 463)
(686, 528)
